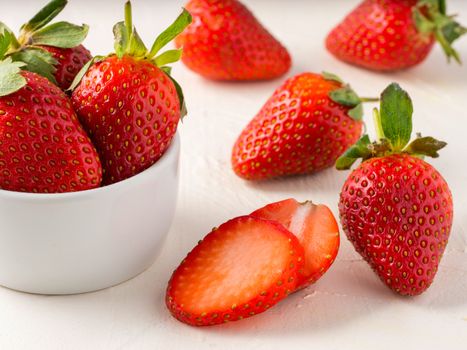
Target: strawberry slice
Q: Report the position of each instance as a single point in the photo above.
(238, 270)
(316, 229)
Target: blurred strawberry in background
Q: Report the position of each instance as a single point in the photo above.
(388, 35)
(226, 42)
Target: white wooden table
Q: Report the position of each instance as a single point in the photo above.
(348, 308)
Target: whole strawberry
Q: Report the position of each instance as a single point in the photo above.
(395, 208)
(388, 35)
(226, 42)
(43, 148)
(52, 50)
(304, 127)
(128, 102)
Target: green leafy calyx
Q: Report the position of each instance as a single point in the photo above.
(26, 50)
(430, 18)
(393, 122)
(128, 42)
(346, 96)
(10, 78)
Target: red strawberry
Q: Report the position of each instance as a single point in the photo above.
(43, 148)
(238, 270)
(395, 208)
(304, 127)
(226, 42)
(128, 102)
(316, 229)
(54, 50)
(388, 35)
(69, 63)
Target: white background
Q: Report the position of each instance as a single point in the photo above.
(348, 308)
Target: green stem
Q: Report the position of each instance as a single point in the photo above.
(369, 99)
(379, 128)
(128, 19)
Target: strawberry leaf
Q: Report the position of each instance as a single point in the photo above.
(356, 113)
(167, 57)
(166, 69)
(345, 96)
(430, 18)
(83, 71)
(10, 78)
(442, 6)
(453, 31)
(178, 26)
(393, 123)
(396, 116)
(137, 47)
(38, 61)
(13, 42)
(121, 39)
(127, 40)
(60, 34)
(44, 16)
(361, 149)
(5, 42)
(181, 97)
(423, 24)
(332, 77)
(426, 146)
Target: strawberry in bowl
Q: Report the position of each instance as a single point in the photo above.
(128, 102)
(52, 50)
(80, 237)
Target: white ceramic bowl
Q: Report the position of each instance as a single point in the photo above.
(84, 241)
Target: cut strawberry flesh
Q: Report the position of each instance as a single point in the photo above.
(238, 270)
(316, 229)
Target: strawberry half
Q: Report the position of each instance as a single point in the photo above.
(395, 208)
(226, 42)
(303, 128)
(388, 35)
(51, 50)
(240, 269)
(128, 102)
(316, 230)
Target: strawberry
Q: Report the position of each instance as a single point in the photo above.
(388, 35)
(226, 42)
(240, 269)
(128, 102)
(395, 208)
(316, 229)
(304, 127)
(52, 50)
(69, 63)
(43, 148)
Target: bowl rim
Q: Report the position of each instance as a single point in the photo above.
(169, 154)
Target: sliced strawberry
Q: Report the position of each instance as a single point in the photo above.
(238, 270)
(316, 229)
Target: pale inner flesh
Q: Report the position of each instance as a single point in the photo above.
(233, 267)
